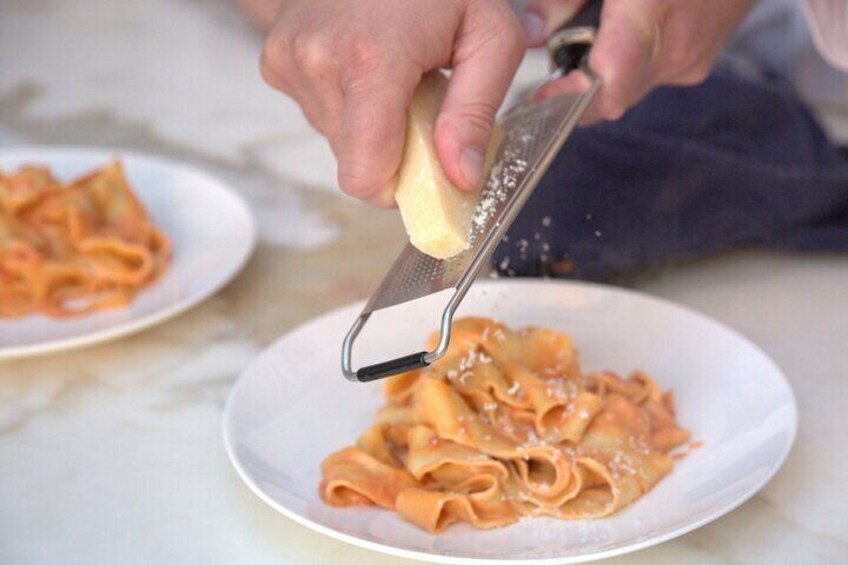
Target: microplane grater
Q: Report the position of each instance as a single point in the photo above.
(534, 132)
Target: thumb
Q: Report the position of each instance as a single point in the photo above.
(488, 48)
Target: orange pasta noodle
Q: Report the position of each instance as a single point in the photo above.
(505, 425)
(71, 249)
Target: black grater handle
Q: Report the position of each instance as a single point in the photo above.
(393, 367)
(569, 46)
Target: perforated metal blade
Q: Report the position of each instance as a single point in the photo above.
(534, 132)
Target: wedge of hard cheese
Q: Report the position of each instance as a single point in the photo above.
(437, 215)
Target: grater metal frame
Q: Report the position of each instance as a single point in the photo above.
(570, 44)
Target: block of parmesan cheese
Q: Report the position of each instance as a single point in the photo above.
(436, 214)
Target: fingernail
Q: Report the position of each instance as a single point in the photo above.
(534, 27)
(471, 165)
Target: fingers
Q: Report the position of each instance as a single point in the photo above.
(297, 67)
(644, 44)
(370, 144)
(542, 17)
(624, 55)
(575, 82)
(353, 74)
(354, 98)
(488, 50)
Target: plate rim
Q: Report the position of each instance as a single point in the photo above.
(563, 560)
(129, 327)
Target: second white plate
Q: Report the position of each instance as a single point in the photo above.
(291, 408)
(212, 231)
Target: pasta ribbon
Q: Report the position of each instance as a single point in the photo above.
(71, 249)
(506, 425)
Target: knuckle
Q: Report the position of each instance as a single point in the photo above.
(515, 36)
(506, 34)
(507, 30)
(274, 63)
(310, 51)
(478, 115)
(364, 58)
(354, 182)
(473, 118)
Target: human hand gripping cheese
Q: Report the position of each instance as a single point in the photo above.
(437, 215)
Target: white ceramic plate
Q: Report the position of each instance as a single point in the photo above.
(211, 228)
(292, 407)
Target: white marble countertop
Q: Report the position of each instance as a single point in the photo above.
(113, 454)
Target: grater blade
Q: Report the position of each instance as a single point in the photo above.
(534, 133)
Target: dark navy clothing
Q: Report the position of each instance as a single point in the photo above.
(688, 172)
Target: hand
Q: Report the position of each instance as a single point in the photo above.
(261, 13)
(641, 44)
(352, 66)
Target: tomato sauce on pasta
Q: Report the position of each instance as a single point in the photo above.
(72, 249)
(506, 425)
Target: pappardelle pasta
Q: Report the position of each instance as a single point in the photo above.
(504, 426)
(71, 249)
